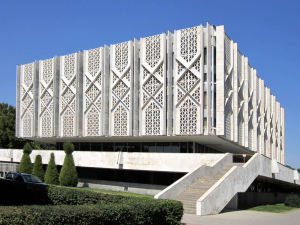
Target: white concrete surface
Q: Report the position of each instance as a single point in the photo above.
(172, 162)
(186, 181)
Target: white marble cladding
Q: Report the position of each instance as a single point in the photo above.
(192, 82)
(153, 85)
(93, 87)
(121, 89)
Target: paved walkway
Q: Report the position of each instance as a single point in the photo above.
(245, 218)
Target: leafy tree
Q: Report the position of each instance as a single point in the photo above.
(25, 164)
(68, 174)
(38, 169)
(51, 176)
(7, 128)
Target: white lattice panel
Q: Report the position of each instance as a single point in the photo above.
(92, 92)
(26, 84)
(153, 85)
(68, 80)
(46, 97)
(121, 89)
(187, 77)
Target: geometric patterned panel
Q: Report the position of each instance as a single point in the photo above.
(68, 78)
(153, 85)
(121, 89)
(27, 99)
(92, 89)
(187, 79)
(46, 97)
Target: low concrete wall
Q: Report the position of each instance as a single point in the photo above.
(186, 181)
(260, 198)
(238, 179)
(121, 186)
(170, 162)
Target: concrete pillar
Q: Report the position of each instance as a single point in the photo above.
(136, 76)
(18, 102)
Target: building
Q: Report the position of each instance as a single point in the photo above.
(155, 110)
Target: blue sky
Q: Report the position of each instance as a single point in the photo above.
(267, 32)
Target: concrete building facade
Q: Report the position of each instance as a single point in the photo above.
(130, 108)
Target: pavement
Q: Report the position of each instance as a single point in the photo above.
(245, 217)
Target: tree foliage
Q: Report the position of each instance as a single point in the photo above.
(25, 164)
(51, 176)
(68, 174)
(38, 169)
(7, 128)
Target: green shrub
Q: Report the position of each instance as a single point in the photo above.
(38, 169)
(27, 148)
(68, 147)
(292, 200)
(68, 174)
(61, 205)
(152, 212)
(25, 163)
(51, 176)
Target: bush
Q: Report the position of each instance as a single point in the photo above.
(51, 176)
(68, 174)
(292, 200)
(38, 169)
(72, 206)
(152, 212)
(27, 148)
(68, 148)
(25, 163)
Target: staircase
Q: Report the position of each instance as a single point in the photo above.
(190, 196)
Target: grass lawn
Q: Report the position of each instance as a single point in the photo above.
(115, 192)
(277, 208)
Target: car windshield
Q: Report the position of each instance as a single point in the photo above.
(32, 178)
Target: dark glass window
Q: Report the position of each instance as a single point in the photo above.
(134, 147)
(190, 147)
(76, 146)
(175, 147)
(121, 147)
(148, 147)
(108, 147)
(183, 147)
(85, 146)
(96, 146)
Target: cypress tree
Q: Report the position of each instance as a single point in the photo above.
(38, 169)
(68, 173)
(25, 164)
(51, 176)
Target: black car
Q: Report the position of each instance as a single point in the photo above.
(23, 177)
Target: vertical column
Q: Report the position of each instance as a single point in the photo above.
(79, 96)
(246, 102)
(153, 108)
(46, 97)
(262, 120)
(188, 81)
(209, 77)
(56, 87)
(27, 99)
(106, 67)
(235, 95)
(93, 92)
(68, 95)
(136, 76)
(169, 84)
(121, 89)
(18, 102)
(254, 113)
(35, 98)
(220, 78)
(282, 136)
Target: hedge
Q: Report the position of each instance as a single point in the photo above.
(60, 205)
(143, 212)
(292, 200)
